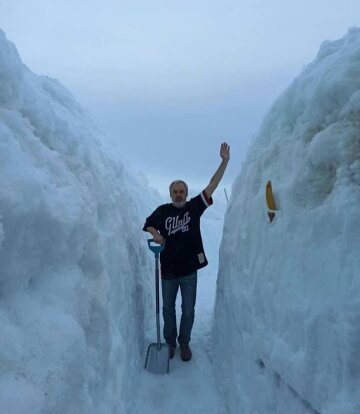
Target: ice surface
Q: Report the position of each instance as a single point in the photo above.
(74, 285)
(288, 300)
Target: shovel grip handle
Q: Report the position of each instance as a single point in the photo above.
(157, 249)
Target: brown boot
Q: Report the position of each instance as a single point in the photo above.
(186, 353)
(172, 348)
(172, 351)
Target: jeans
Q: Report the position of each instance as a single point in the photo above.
(170, 289)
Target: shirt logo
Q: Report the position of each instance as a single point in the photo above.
(174, 224)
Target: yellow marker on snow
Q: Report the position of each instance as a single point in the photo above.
(270, 201)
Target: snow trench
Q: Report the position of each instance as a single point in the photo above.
(76, 299)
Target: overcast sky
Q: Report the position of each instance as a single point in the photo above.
(170, 80)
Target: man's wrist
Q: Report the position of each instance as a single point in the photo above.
(152, 231)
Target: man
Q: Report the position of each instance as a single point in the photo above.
(178, 225)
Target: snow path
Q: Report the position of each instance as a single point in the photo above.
(190, 386)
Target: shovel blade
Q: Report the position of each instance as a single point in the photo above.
(157, 360)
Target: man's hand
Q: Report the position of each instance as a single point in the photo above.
(225, 151)
(214, 182)
(158, 238)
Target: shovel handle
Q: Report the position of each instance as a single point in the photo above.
(158, 248)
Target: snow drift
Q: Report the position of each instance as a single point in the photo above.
(288, 300)
(74, 273)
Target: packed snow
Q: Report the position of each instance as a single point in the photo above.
(287, 323)
(74, 281)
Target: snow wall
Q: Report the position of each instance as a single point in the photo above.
(287, 322)
(74, 268)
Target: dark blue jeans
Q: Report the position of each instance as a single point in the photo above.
(170, 289)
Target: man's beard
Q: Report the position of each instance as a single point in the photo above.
(179, 204)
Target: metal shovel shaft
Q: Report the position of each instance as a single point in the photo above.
(157, 289)
(158, 354)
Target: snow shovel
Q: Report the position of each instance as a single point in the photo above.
(158, 354)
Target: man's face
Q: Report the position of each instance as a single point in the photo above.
(178, 193)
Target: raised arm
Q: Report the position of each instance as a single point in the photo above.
(215, 180)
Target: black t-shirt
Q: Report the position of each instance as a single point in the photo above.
(184, 251)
